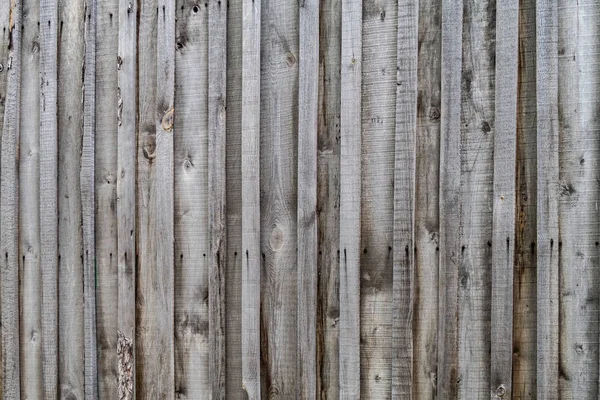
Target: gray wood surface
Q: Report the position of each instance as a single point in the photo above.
(450, 210)
(192, 202)
(403, 246)
(71, 48)
(308, 106)
(49, 195)
(504, 198)
(106, 247)
(4, 51)
(350, 199)
(217, 195)
(29, 186)
(547, 200)
(251, 258)
(88, 203)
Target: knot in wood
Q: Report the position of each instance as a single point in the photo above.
(501, 391)
(167, 119)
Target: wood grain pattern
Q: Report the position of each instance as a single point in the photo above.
(29, 186)
(192, 202)
(350, 199)
(504, 198)
(217, 177)
(404, 200)
(450, 209)
(308, 94)
(106, 159)
(49, 195)
(547, 204)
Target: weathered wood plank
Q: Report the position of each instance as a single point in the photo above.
(251, 259)
(378, 111)
(328, 196)
(504, 200)
(191, 202)
(579, 152)
(476, 188)
(350, 199)
(547, 200)
(278, 196)
(404, 200)
(308, 107)
(49, 194)
(88, 203)
(233, 273)
(126, 174)
(524, 307)
(29, 229)
(450, 210)
(71, 47)
(427, 186)
(106, 248)
(217, 194)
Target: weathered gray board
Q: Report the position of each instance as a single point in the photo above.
(319, 199)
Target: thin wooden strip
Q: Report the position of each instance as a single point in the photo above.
(350, 193)
(308, 86)
(503, 238)
(450, 228)
(524, 293)
(427, 188)
(217, 194)
(547, 205)
(476, 192)
(233, 273)
(105, 154)
(328, 195)
(88, 203)
(192, 324)
(278, 201)
(48, 195)
(29, 229)
(378, 114)
(147, 366)
(579, 153)
(404, 200)
(251, 263)
(163, 195)
(9, 211)
(126, 113)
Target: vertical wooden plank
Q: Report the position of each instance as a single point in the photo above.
(547, 205)
(450, 210)
(29, 229)
(378, 111)
(579, 152)
(308, 86)
(233, 273)
(71, 47)
(9, 211)
(126, 173)
(427, 199)
(504, 200)
(476, 191)
(105, 152)
(147, 367)
(404, 200)
(191, 202)
(278, 196)
(524, 293)
(217, 194)
(49, 194)
(88, 203)
(328, 197)
(350, 199)
(251, 263)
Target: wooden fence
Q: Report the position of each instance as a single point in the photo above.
(308, 199)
